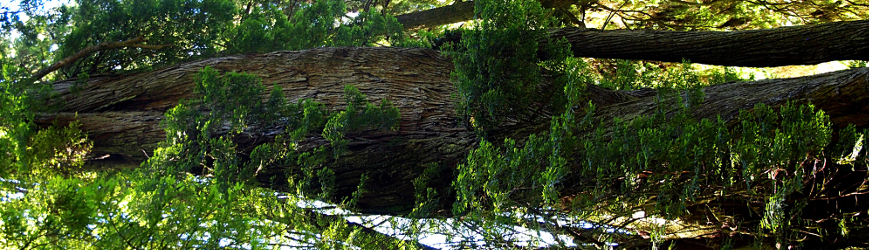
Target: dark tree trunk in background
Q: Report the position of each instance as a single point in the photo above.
(808, 44)
(461, 11)
(457, 12)
(795, 45)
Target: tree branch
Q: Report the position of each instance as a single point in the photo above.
(132, 43)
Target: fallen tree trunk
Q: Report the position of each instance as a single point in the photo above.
(122, 113)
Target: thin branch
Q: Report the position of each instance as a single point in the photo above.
(612, 13)
(132, 43)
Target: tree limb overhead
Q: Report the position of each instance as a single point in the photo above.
(794, 45)
(457, 12)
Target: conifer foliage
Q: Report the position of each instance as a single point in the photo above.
(242, 166)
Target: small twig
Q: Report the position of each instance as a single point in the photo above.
(612, 13)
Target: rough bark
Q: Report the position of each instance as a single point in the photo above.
(122, 113)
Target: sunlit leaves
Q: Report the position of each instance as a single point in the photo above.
(27, 151)
(317, 24)
(136, 211)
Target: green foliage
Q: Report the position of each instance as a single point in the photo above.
(233, 98)
(426, 197)
(232, 103)
(156, 21)
(30, 34)
(530, 175)
(136, 211)
(631, 75)
(211, 27)
(421, 39)
(766, 147)
(857, 64)
(27, 151)
(161, 205)
(312, 26)
(58, 150)
(497, 70)
(14, 126)
(667, 165)
(359, 115)
(662, 165)
(850, 145)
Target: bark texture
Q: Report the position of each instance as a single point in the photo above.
(122, 113)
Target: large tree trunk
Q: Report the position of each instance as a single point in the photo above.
(122, 113)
